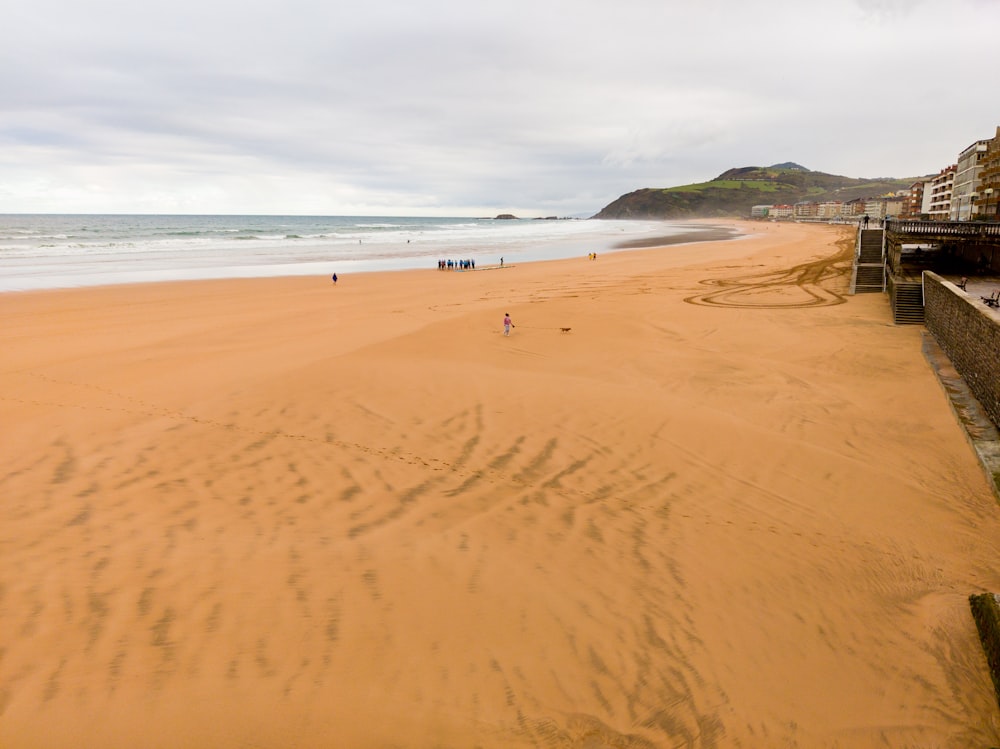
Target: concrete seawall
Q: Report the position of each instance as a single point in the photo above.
(969, 334)
(986, 612)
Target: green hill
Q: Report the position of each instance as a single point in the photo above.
(735, 191)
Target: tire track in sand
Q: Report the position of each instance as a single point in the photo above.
(818, 283)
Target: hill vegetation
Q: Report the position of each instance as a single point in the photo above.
(735, 191)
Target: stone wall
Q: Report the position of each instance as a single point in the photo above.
(986, 612)
(969, 335)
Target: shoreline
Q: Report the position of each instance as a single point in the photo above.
(713, 233)
(699, 492)
(137, 272)
(676, 243)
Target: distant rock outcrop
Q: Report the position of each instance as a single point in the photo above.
(506, 216)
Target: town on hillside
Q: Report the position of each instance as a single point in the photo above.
(968, 190)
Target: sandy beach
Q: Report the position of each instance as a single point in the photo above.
(728, 507)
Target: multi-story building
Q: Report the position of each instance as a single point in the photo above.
(875, 207)
(854, 207)
(828, 209)
(887, 205)
(988, 199)
(964, 192)
(805, 209)
(937, 195)
(782, 210)
(914, 203)
(895, 206)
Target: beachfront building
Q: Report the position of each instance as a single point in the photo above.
(988, 200)
(805, 209)
(936, 204)
(829, 209)
(874, 207)
(782, 210)
(853, 208)
(914, 203)
(895, 206)
(964, 191)
(760, 211)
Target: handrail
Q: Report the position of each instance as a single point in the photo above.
(944, 228)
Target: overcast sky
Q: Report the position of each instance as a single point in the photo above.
(466, 108)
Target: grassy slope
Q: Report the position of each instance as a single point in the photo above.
(734, 192)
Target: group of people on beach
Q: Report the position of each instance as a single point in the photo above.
(456, 264)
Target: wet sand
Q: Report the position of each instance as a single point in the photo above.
(699, 231)
(730, 507)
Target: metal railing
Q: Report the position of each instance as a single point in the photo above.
(858, 248)
(966, 229)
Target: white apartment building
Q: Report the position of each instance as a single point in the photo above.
(937, 195)
(967, 180)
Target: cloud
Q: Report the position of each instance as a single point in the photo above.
(444, 106)
(888, 10)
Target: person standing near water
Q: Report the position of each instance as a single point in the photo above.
(335, 278)
(507, 324)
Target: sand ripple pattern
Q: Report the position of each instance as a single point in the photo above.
(306, 563)
(818, 283)
(673, 527)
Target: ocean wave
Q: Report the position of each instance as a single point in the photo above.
(118, 248)
(29, 236)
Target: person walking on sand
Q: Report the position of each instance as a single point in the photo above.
(334, 279)
(507, 324)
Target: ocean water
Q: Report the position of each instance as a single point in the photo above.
(58, 251)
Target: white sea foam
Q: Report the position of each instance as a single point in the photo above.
(47, 251)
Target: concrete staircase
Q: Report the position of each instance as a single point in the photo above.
(906, 299)
(868, 275)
